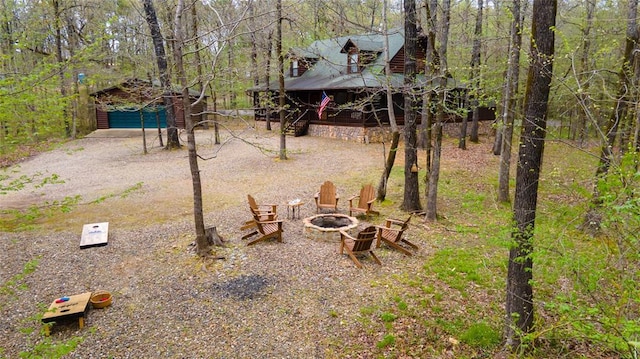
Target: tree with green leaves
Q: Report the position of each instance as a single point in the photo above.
(519, 300)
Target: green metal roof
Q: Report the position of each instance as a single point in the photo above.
(329, 69)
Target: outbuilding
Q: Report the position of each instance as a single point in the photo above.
(128, 103)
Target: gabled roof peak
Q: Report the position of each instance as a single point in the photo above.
(362, 45)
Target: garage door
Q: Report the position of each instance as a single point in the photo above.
(124, 118)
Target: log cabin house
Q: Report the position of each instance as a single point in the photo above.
(350, 70)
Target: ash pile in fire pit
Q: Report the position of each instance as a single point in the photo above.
(331, 222)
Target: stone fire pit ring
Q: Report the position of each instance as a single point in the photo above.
(327, 227)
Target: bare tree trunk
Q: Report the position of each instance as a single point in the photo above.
(509, 107)
(281, 95)
(202, 246)
(73, 45)
(255, 74)
(582, 123)
(230, 80)
(497, 142)
(519, 299)
(216, 127)
(7, 41)
(411, 200)
(636, 136)
(431, 69)
(475, 74)
(58, 38)
(202, 119)
(395, 132)
(635, 144)
(267, 79)
(161, 59)
(462, 138)
(434, 175)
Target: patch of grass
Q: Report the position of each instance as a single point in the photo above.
(387, 341)
(458, 268)
(16, 220)
(481, 335)
(51, 349)
(10, 185)
(450, 326)
(14, 283)
(388, 317)
(123, 194)
(367, 310)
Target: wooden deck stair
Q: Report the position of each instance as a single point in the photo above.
(298, 128)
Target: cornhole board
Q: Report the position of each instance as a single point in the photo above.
(75, 307)
(94, 234)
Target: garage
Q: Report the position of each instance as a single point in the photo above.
(122, 105)
(131, 117)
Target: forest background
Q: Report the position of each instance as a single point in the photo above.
(46, 46)
(54, 53)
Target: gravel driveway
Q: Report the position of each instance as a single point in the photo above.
(297, 299)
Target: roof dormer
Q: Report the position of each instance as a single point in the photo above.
(300, 61)
(360, 53)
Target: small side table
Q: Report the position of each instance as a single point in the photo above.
(292, 206)
(74, 307)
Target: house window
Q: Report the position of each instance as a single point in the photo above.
(340, 98)
(353, 63)
(295, 68)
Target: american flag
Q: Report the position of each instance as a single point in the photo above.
(325, 101)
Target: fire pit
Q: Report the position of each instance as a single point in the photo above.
(327, 227)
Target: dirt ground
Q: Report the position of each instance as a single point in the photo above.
(110, 164)
(290, 300)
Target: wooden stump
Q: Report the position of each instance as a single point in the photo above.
(213, 238)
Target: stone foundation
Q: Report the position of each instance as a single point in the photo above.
(375, 134)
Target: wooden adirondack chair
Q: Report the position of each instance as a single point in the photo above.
(327, 198)
(361, 245)
(365, 201)
(393, 234)
(266, 212)
(267, 229)
(262, 209)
